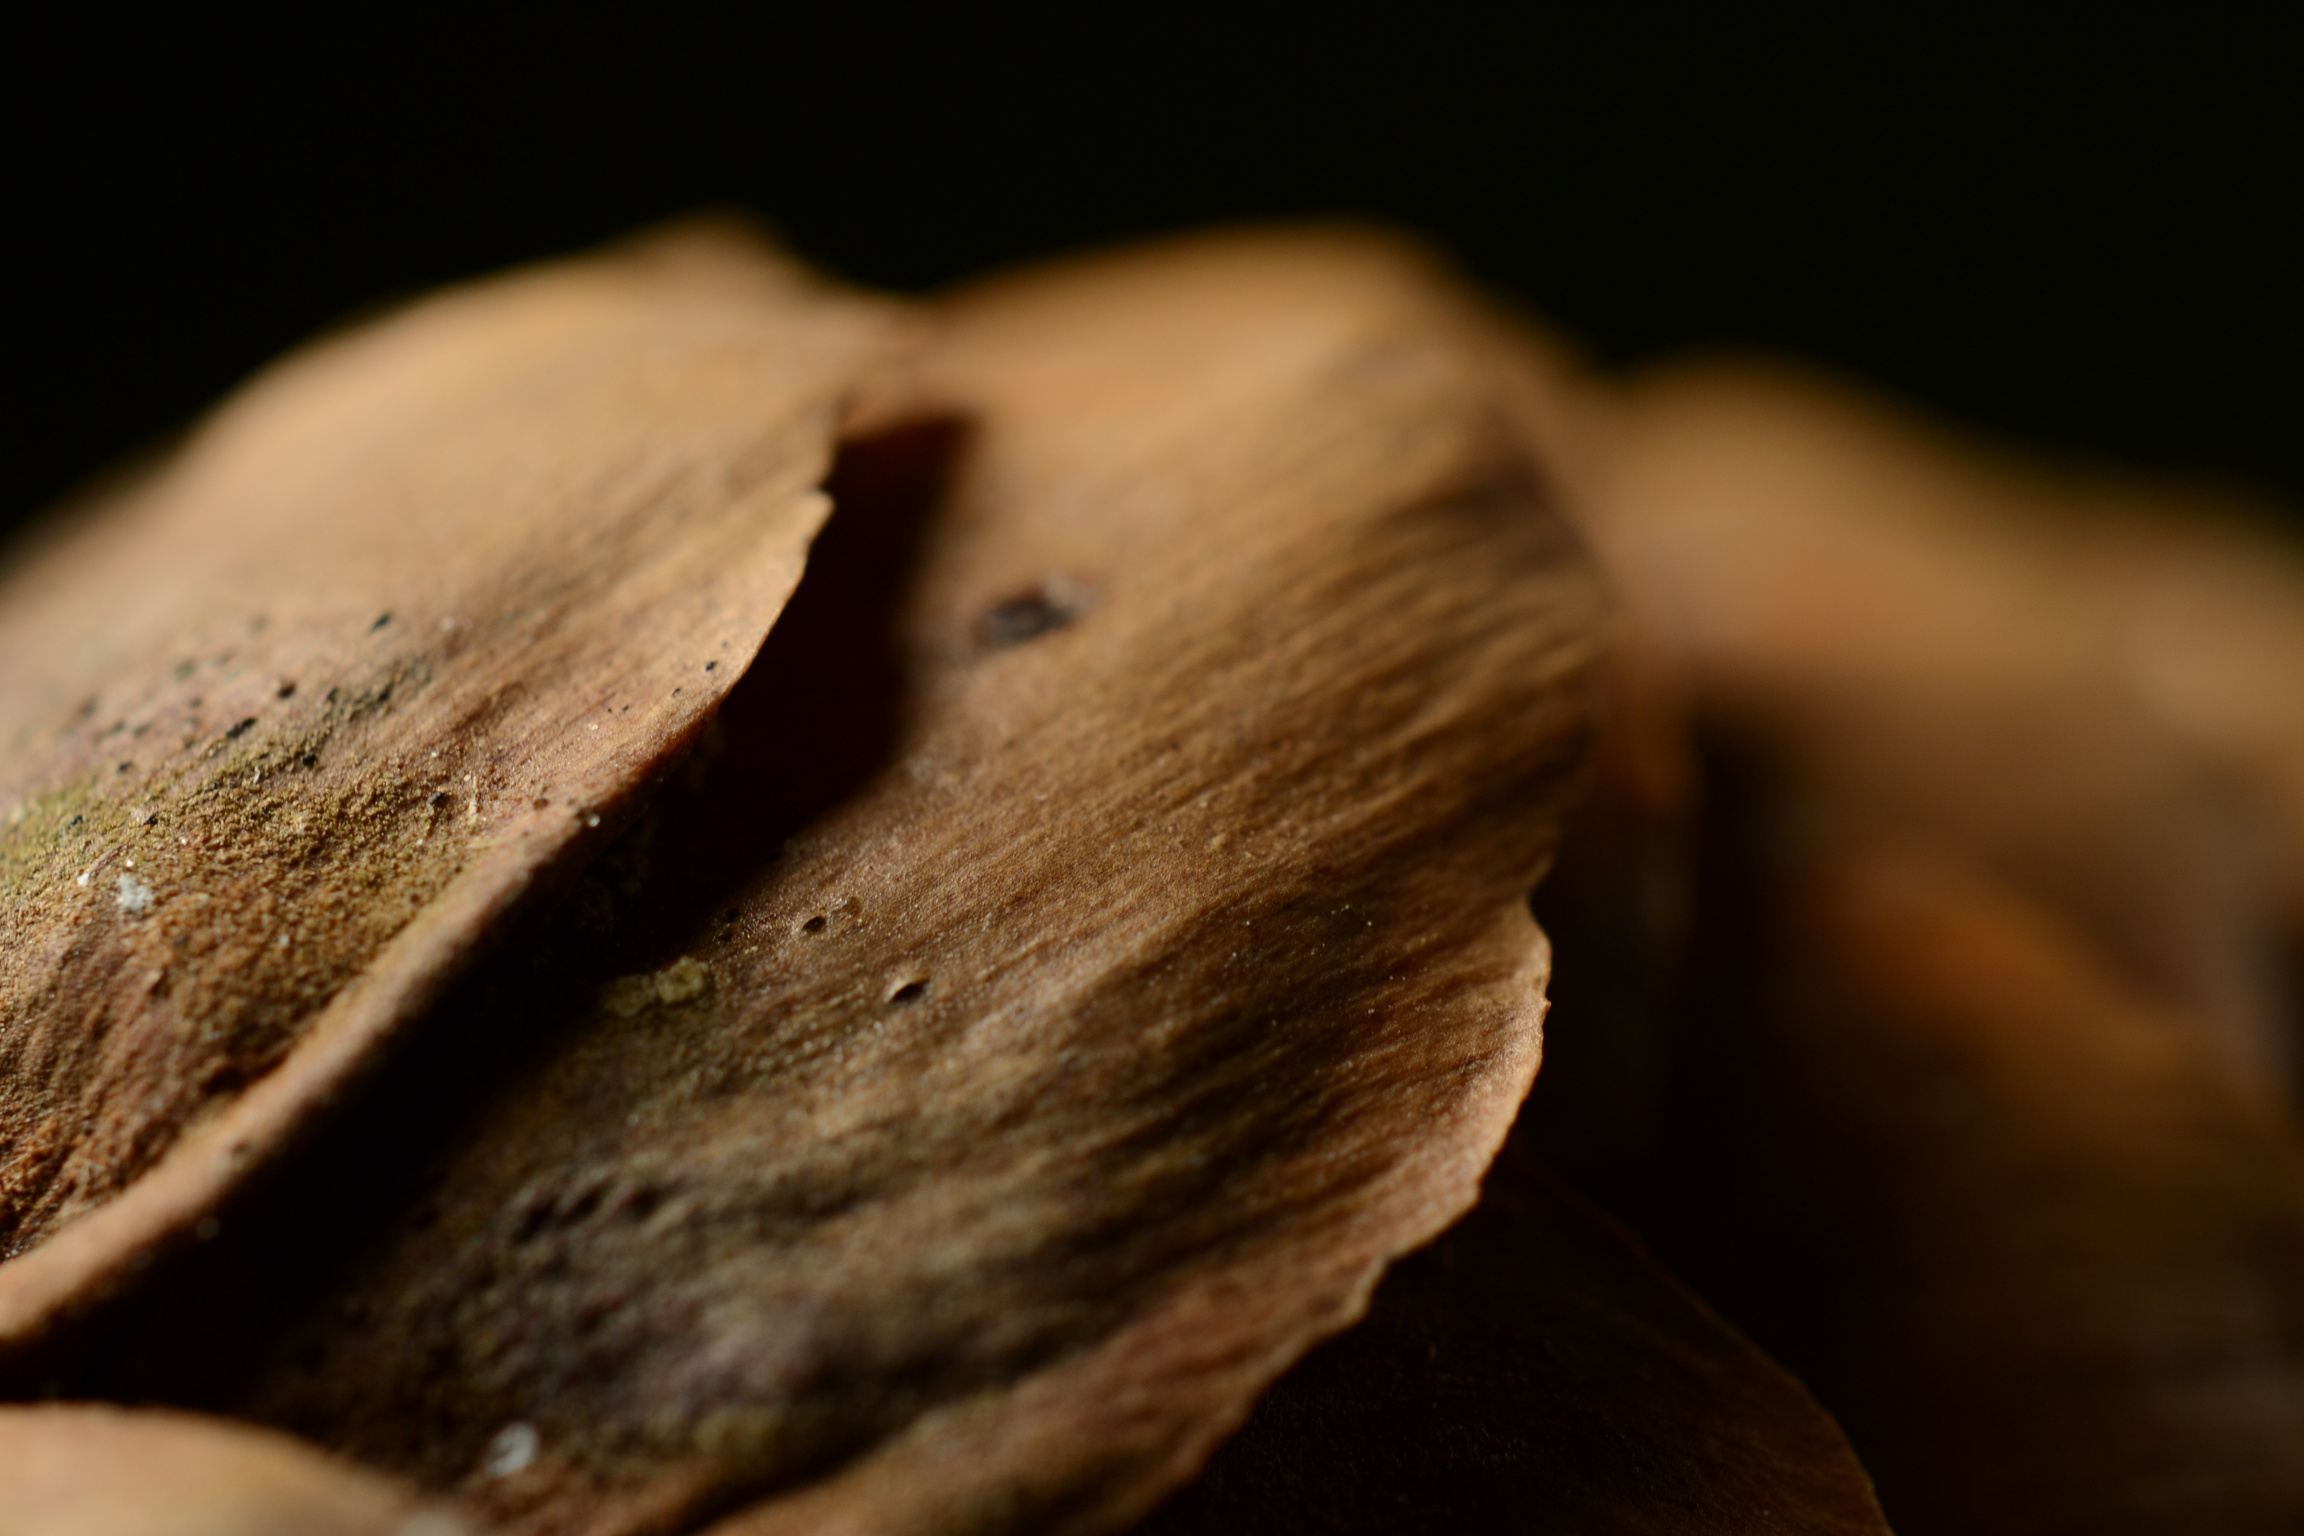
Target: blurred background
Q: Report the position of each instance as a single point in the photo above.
(2082, 235)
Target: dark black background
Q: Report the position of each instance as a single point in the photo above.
(2082, 235)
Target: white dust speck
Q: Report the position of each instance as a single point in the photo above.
(513, 1449)
(133, 895)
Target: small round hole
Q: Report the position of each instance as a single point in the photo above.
(1027, 615)
(814, 924)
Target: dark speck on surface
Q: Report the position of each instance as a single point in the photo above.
(1026, 616)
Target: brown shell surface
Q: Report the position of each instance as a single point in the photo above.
(74, 1469)
(1019, 1099)
(295, 721)
(1532, 1370)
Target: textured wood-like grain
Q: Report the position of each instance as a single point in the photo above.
(971, 1160)
(292, 724)
(1532, 1372)
(93, 1470)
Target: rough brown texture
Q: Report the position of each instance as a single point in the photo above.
(93, 1470)
(289, 726)
(1148, 963)
(1531, 1371)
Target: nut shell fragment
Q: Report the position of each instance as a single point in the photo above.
(1060, 1083)
(293, 724)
